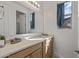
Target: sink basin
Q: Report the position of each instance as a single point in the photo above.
(15, 40)
(39, 36)
(36, 39)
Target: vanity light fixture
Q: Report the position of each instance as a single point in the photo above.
(34, 3)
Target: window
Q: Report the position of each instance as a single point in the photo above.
(64, 12)
(32, 20)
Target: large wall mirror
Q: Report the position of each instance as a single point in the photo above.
(64, 14)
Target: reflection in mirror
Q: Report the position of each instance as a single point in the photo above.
(20, 22)
(32, 20)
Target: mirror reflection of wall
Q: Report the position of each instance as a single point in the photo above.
(64, 13)
(32, 20)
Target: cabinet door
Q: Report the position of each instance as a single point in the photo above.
(44, 49)
(37, 54)
(47, 48)
(50, 49)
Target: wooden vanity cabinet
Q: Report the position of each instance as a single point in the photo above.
(31, 52)
(41, 50)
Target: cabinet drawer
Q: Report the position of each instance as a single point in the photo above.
(26, 52)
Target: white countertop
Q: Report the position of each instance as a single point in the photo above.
(9, 49)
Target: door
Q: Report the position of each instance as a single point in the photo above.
(20, 23)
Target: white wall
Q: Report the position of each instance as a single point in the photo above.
(1, 26)
(65, 41)
(8, 23)
(78, 27)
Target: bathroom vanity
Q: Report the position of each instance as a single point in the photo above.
(31, 52)
(29, 48)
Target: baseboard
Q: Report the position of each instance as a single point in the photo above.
(57, 55)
